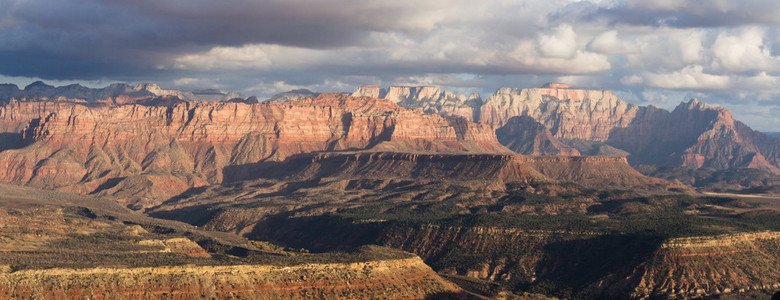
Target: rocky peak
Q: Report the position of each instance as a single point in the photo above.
(292, 95)
(8, 91)
(430, 99)
(507, 91)
(416, 96)
(400, 94)
(116, 93)
(151, 88)
(567, 113)
(475, 97)
(695, 104)
(38, 85)
(373, 91)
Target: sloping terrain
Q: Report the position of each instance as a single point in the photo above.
(522, 134)
(331, 172)
(547, 237)
(389, 279)
(57, 245)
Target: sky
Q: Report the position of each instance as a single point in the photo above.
(661, 52)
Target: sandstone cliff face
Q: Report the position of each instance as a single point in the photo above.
(402, 278)
(492, 171)
(694, 134)
(501, 256)
(123, 150)
(677, 268)
(568, 113)
(701, 266)
(428, 98)
(522, 134)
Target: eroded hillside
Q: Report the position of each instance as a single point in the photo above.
(58, 245)
(509, 219)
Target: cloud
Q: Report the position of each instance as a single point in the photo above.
(679, 13)
(609, 43)
(273, 87)
(663, 50)
(561, 43)
(713, 48)
(744, 51)
(690, 77)
(444, 51)
(694, 77)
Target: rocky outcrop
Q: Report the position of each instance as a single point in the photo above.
(675, 268)
(694, 134)
(295, 95)
(125, 150)
(522, 134)
(402, 278)
(487, 170)
(568, 113)
(58, 245)
(428, 98)
(699, 267)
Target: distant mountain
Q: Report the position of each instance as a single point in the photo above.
(525, 135)
(552, 120)
(774, 134)
(292, 95)
(693, 135)
(428, 98)
(114, 93)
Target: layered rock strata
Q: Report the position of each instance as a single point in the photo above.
(700, 267)
(677, 268)
(522, 134)
(402, 278)
(489, 170)
(146, 152)
(693, 135)
(428, 98)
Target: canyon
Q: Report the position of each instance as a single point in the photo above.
(507, 224)
(543, 190)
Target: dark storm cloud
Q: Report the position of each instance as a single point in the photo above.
(83, 39)
(651, 51)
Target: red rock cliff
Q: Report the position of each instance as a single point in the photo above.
(122, 150)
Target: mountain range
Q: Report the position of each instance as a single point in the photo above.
(557, 191)
(117, 93)
(552, 120)
(694, 134)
